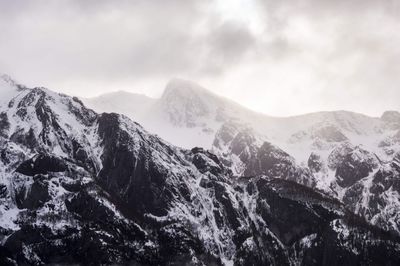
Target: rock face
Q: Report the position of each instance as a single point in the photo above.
(247, 155)
(41, 164)
(355, 166)
(330, 134)
(78, 187)
(366, 184)
(315, 163)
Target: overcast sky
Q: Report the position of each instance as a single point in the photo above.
(278, 57)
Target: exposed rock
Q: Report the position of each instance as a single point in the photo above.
(315, 163)
(3, 191)
(41, 164)
(274, 162)
(104, 191)
(32, 196)
(356, 165)
(4, 124)
(330, 134)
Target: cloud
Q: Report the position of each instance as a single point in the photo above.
(115, 39)
(346, 53)
(225, 45)
(279, 57)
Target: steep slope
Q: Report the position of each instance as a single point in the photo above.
(84, 188)
(337, 152)
(361, 179)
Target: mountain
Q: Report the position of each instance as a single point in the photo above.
(350, 156)
(186, 108)
(78, 187)
(365, 183)
(186, 115)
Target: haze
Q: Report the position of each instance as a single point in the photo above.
(276, 57)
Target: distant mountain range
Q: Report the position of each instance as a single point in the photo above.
(79, 186)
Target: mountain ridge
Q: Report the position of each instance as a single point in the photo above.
(208, 112)
(187, 84)
(315, 149)
(79, 187)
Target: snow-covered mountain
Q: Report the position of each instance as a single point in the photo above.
(186, 115)
(78, 187)
(189, 115)
(351, 156)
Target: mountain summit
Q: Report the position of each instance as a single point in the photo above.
(185, 103)
(182, 87)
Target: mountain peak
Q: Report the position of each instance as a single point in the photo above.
(184, 102)
(183, 87)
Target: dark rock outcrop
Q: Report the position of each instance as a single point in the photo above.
(356, 165)
(330, 134)
(315, 163)
(41, 164)
(33, 196)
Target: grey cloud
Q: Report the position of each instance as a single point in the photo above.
(350, 28)
(325, 48)
(230, 41)
(116, 38)
(326, 8)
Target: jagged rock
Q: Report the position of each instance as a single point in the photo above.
(132, 175)
(74, 186)
(41, 164)
(3, 191)
(33, 196)
(224, 135)
(120, 195)
(272, 161)
(338, 154)
(207, 162)
(315, 163)
(4, 124)
(28, 139)
(355, 165)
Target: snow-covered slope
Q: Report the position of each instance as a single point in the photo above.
(188, 115)
(366, 181)
(79, 187)
(308, 149)
(131, 104)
